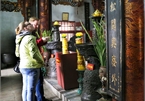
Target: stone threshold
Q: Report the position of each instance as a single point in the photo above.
(63, 95)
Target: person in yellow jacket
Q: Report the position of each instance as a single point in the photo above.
(30, 59)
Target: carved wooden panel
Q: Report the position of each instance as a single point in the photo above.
(9, 6)
(134, 50)
(115, 47)
(73, 3)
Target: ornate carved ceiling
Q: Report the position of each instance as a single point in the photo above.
(74, 3)
(9, 6)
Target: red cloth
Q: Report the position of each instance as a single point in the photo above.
(40, 43)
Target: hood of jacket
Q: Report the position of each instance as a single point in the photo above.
(18, 40)
(20, 36)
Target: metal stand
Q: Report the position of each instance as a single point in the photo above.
(54, 46)
(80, 80)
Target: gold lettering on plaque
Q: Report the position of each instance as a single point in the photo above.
(112, 7)
(120, 2)
(113, 24)
(29, 10)
(113, 41)
(114, 61)
(29, 14)
(114, 79)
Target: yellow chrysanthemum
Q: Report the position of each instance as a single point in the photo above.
(79, 34)
(63, 35)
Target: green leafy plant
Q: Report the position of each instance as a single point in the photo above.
(45, 33)
(98, 40)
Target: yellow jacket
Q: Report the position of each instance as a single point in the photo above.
(28, 51)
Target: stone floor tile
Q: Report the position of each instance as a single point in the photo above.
(12, 88)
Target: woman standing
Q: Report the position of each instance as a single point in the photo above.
(30, 59)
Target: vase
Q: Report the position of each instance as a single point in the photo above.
(102, 72)
(103, 77)
(9, 59)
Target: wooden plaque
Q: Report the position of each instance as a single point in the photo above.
(115, 48)
(65, 16)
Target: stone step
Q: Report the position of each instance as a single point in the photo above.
(56, 99)
(62, 95)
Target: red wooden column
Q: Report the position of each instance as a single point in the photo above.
(24, 5)
(134, 76)
(45, 14)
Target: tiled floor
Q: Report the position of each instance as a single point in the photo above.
(64, 95)
(11, 86)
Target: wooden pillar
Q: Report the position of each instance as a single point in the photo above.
(98, 4)
(24, 5)
(134, 78)
(45, 14)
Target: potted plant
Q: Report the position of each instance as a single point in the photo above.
(99, 43)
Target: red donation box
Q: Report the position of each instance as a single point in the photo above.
(66, 65)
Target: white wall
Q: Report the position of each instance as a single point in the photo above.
(75, 13)
(9, 21)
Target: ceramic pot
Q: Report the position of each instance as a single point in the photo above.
(9, 59)
(102, 72)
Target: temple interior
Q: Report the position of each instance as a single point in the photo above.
(95, 50)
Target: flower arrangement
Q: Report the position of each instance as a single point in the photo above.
(63, 35)
(79, 34)
(79, 38)
(99, 41)
(45, 33)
